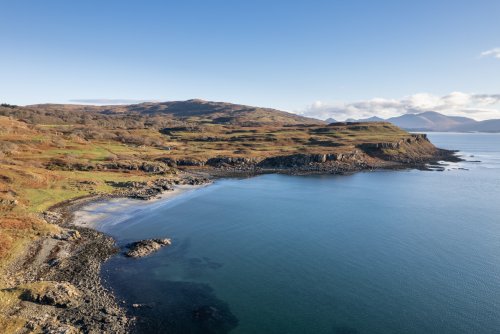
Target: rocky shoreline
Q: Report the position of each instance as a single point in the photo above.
(58, 276)
(72, 297)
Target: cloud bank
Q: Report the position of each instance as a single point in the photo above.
(109, 101)
(478, 106)
(495, 53)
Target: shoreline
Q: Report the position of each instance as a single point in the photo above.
(89, 214)
(78, 260)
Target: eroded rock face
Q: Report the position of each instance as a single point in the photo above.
(59, 294)
(145, 247)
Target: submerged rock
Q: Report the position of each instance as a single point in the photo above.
(145, 247)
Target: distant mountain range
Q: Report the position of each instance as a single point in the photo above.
(434, 121)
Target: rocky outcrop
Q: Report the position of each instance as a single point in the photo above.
(145, 247)
(300, 160)
(52, 217)
(151, 189)
(143, 190)
(414, 139)
(183, 162)
(67, 235)
(59, 294)
(192, 180)
(230, 161)
(59, 329)
(8, 203)
(152, 167)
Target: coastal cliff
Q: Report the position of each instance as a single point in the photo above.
(413, 151)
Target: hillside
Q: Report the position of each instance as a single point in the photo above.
(195, 110)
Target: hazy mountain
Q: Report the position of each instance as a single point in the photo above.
(369, 119)
(331, 120)
(434, 121)
(491, 125)
(430, 121)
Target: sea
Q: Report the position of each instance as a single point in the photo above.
(380, 252)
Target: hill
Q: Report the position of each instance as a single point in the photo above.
(195, 110)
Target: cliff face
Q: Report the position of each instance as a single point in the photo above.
(414, 149)
(300, 160)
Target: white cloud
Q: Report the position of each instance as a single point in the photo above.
(479, 106)
(495, 53)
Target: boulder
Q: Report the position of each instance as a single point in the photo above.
(67, 235)
(145, 247)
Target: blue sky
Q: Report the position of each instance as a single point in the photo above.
(321, 58)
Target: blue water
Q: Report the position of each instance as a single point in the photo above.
(375, 252)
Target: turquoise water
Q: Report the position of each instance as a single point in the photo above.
(375, 252)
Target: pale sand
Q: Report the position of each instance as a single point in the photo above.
(116, 210)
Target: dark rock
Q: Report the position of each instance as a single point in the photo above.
(145, 247)
(229, 161)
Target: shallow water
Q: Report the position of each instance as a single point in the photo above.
(375, 252)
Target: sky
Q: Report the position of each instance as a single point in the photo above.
(323, 59)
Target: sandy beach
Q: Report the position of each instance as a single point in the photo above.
(119, 209)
